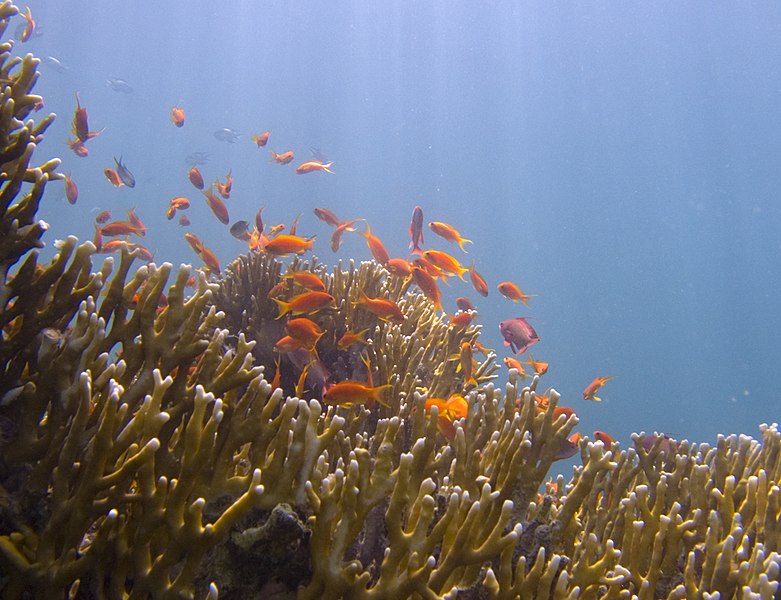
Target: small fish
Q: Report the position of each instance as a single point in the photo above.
(512, 292)
(55, 64)
(306, 303)
(183, 220)
(195, 159)
(428, 286)
(282, 159)
(113, 177)
(518, 334)
(217, 206)
(261, 139)
(606, 439)
(80, 125)
(306, 279)
(132, 217)
(240, 230)
(464, 303)
(336, 238)
(116, 228)
(71, 191)
(288, 244)
(227, 135)
(568, 447)
(446, 263)
(514, 363)
(103, 217)
(348, 393)
(377, 248)
(382, 308)
(195, 177)
(466, 364)
(305, 330)
(539, 367)
(449, 233)
(416, 231)
(399, 267)
(177, 116)
(327, 216)
(461, 319)
(481, 287)
(119, 85)
(224, 189)
(78, 147)
(350, 337)
(180, 203)
(124, 173)
(590, 393)
(312, 166)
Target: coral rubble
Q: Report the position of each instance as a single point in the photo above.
(144, 453)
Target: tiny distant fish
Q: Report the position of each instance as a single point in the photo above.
(119, 85)
(196, 158)
(227, 135)
(124, 173)
(318, 155)
(55, 64)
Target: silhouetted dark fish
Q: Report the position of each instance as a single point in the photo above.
(318, 155)
(227, 135)
(518, 334)
(196, 158)
(567, 449)
(55, 64)
(119, 85)
(124, 174)
(240, 230)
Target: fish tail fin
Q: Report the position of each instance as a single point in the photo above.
(377, 394)
(461, 242)
(284, 307)
(327, 169)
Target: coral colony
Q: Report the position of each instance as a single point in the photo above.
(145, 453)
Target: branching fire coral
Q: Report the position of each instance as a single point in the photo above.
(144, 452)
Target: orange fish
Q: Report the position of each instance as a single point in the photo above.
(177, 116)
(180, 203)
(78, 147)
(98, 239)
(399, 267)
(183, 220)
(454, 408)
(416, 231)
(336, 238)
(464, 304)
(282, 159)
(466, 364)
(71, 191)
(261, 139)
(118, 228)
(304, 330)
(348, 393)
(259, 220)
(462, 319)
(377, 248)
(481, 287)
(288, 344)
(103, 217)
(196, 178)
(306, 303)
(29, 27)
(113, 177)
(195, 243)
(312, 166)
(449, 233)
(327, 216)
(277, 375)
(80, 125)
(509, 290)
(288, 244)
(539, 367)
(306, 279)
(294, 226)
(210, 260)
(514, 363)
(218, 206)
(444, 262)
(590, 393)
(382, 308)
(428, 286)
(224, 190)
(350, 337)
(132, 217)
(603, 437)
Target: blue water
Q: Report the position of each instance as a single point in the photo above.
(620, 160)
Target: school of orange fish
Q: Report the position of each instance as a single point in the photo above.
(423, 267)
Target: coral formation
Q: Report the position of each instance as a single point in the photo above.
(143, 452)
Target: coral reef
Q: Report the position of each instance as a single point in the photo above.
(144, 453)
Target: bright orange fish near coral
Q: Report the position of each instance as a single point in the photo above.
(382, 308)
(306, 303)
(590, 393)
(478, 282)
(512, 292)
(449, 233)
(217, 206)
(288, 244)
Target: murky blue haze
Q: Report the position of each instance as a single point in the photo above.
(620, 160)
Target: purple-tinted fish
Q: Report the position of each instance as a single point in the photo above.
(518, 334)
(666, 446)
(416, 231)
(568, 448)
